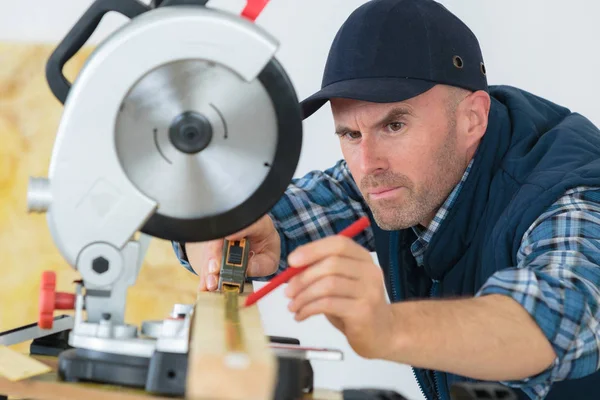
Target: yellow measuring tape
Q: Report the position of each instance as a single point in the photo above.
(233, 327)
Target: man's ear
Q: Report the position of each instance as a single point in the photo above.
(477, 108)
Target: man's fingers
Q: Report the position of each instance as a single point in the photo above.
(214, 252)
(331, 266)
(329, 286)
(330, 306)
(212, 282)
(202, 284)
(331, 246)
(199, 254)
(213, 266)
(261, 265)
(205, 257)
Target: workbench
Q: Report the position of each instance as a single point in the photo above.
(49, 387)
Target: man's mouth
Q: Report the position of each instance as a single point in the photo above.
(383, 192)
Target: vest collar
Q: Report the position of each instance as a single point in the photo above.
(455, 234)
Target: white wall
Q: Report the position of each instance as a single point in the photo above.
(547, 47)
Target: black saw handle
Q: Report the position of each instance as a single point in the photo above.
(78, 35)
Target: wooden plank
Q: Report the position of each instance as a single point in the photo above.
(16, 366)
(216, 372)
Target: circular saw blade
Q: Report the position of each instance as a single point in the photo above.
(218, 177)
(224, 176)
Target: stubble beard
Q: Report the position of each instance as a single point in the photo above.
(417, 203)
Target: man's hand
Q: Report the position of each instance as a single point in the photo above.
(343, 283)
(488, 338)
(265, 250)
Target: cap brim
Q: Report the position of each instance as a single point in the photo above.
(376, 90)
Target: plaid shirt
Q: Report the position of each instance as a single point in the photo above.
(557, 279)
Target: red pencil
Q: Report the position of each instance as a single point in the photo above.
(354, 229)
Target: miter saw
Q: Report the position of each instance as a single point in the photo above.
(181, 125)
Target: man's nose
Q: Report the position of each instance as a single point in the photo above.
(372, 156)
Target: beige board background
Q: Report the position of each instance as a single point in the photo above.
(29, 117)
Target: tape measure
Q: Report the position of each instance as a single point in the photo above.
(234, 264)
(233, 327)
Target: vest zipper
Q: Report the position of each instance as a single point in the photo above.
(393, 281)
(393, 266)
(419, 383)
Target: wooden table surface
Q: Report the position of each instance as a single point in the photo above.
(49, 387)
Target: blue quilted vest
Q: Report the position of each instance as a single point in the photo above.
(533, 151)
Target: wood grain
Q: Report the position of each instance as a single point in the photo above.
(213, 371)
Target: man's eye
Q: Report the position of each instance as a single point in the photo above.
(395, 126)
(349, 135)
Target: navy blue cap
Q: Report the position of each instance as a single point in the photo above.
(392, 50)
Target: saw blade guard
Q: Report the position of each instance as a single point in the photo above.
(181, 125)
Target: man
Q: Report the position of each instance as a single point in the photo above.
(485, 208)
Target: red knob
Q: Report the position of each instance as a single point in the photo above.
(51, 300)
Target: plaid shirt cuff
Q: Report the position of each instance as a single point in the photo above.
(179, 249)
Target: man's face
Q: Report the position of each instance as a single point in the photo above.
(405, 157)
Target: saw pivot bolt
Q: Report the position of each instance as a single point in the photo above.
(100, 265)
(51, 300)
(190, 132)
